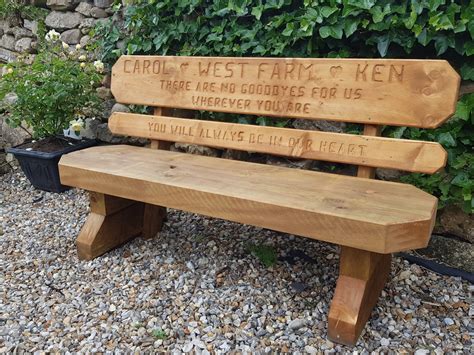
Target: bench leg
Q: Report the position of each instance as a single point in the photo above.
(153, 219)
(362, 276)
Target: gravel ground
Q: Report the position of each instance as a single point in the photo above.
(197, 287)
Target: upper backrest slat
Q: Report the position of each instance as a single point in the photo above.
(409, 155)
(418, 93)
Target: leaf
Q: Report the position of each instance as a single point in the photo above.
(288, 29)
(324, 31)
(350, 26)
(257, 11)
(447, 140)
(382, 45)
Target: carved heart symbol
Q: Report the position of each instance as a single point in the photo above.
(184, 66)
(335, 71)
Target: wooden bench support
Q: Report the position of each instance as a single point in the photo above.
(362, 276)
(113, 221)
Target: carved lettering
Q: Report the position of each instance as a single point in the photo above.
(396, 73)
(377, 72)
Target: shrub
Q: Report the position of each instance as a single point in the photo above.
(51, 90)
(321, 28)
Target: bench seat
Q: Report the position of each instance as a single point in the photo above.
(377, 216)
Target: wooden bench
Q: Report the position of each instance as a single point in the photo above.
(132, 186)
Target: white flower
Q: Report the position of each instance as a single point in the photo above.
(65, 45)
(82, 58)
(83, 65)
(78, 46)
(76, 125)
(52, 36)
(9, 70)
(99, 66)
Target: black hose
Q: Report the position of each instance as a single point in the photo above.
(438, 268)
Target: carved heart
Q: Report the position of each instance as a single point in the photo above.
(335, 71)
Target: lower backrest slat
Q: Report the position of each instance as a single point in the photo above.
(372, 151)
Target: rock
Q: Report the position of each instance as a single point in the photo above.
(305, 164)
(7, 56)
(84, 8)
(87, 24)
(71, 36)
(24, 45)
(104, 93)
(389, 174)
(448, 321)
(12, 136)
(310, 349)
(63, 20)
(20, 32)
(119, 108)
(84, 40)
(296, 324)
(31, 25)
(235, 154)
(106, 80)
(103, 3)
(197, 149)
(320, 125)
(453, 220)
(9, 99)
(61, 5)
(8, 42)
(97, 12)
(385, 342)
(450, 251)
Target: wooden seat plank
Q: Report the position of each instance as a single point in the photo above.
(403, 154)
(374, 215)
(419, 93)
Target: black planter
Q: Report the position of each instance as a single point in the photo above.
(42, 168)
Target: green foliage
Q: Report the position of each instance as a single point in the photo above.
(21, 9)
(265, 253)
(57, 86)
(319, 28)
(159, 334)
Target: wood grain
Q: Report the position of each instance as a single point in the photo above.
(345, 210)
(112, 222)
(419, 93)
(362, 276)
(403, 154)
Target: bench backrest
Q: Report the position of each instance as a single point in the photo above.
(374, 92)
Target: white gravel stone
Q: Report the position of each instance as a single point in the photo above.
(195, 287)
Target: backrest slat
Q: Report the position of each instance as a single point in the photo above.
(409, 155)
(418, 93)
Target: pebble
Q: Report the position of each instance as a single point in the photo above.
(161, 295)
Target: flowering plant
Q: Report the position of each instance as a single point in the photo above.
(57, 86)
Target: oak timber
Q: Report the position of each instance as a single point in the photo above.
(419, 93)
(381, 216)
(362, 276)
(403, 154)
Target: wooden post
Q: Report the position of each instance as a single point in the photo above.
(362, 276)
(154, 216)
(112, 222)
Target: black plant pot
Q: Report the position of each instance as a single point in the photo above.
(42, 168)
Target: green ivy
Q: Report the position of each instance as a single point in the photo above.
(320, 28)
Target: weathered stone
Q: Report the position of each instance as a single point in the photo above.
(117, 107)
(61, 5)
(31, 25)
(305, 164)
(197, 149)
(106, 80)
(20, 32)
(389, 174)
(8, 42)
(97, 12)
(235, 154)
(63, 20)
(86, 25)
(455, 253)
(9, 99)
(84, 8)
(120, 45)
(24, 45)
(12, 136)
(104, 93)
(7, 56)
(84, 40)
(320, 125)
(454, 221)
(103, 3)
(71, 36)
